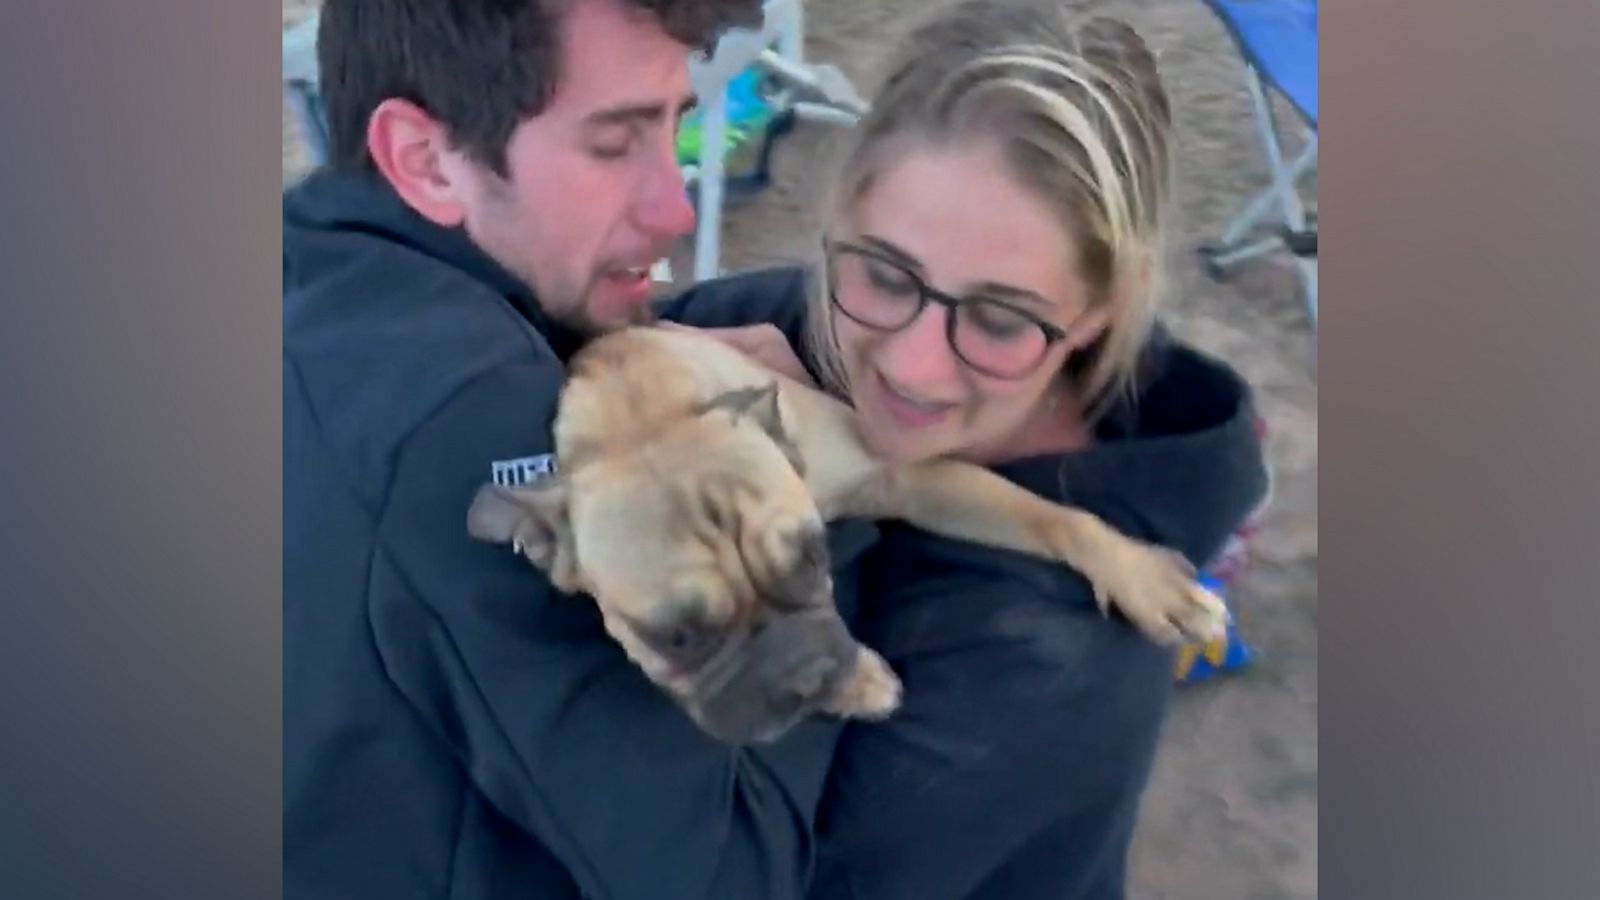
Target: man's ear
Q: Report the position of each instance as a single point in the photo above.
(412, 151)
(534, 521)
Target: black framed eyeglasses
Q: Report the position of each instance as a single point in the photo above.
(992, 336)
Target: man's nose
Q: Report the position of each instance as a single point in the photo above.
(662, 208)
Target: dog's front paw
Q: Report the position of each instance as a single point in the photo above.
(1157, 590)
(873, 691)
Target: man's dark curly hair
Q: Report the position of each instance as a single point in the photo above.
(480, 67)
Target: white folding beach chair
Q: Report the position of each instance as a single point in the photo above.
(811, 92)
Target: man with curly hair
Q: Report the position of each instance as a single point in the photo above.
(503, 175)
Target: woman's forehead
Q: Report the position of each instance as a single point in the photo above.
(962, 219)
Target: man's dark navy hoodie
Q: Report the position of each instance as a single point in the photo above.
(452, 726)
(1015, 767)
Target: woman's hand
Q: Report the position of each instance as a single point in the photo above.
(764, 343)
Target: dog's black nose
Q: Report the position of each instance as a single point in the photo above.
(808, 681)
(787, 671)
(799, 691)
(804, 658)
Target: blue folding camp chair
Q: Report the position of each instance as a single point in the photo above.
(1278, 41)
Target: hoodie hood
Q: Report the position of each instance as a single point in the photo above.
(321, 212)
(1180, 463)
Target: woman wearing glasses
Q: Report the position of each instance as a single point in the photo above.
(987, 291)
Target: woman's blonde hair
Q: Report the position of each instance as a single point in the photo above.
(1078, 109)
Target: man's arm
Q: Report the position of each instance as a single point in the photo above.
(1025, 715)
(547, 716)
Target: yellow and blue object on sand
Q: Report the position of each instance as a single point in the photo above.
(1198, 662)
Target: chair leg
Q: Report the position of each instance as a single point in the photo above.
(789, 17)
(1266, 124)
(1251, 215)
(1219, 260)
(713, 151)
(1281, 192)
(1308, 281)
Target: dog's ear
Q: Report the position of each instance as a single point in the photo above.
(758, 403)
(533, 520)
(764, 409)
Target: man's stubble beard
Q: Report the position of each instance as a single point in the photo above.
(573, 314)
(568, 309)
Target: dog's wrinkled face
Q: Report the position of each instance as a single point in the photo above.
(708, 559)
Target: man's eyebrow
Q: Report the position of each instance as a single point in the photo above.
(645, 112)
(992, 289)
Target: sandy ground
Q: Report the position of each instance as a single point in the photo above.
(1232, 810)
